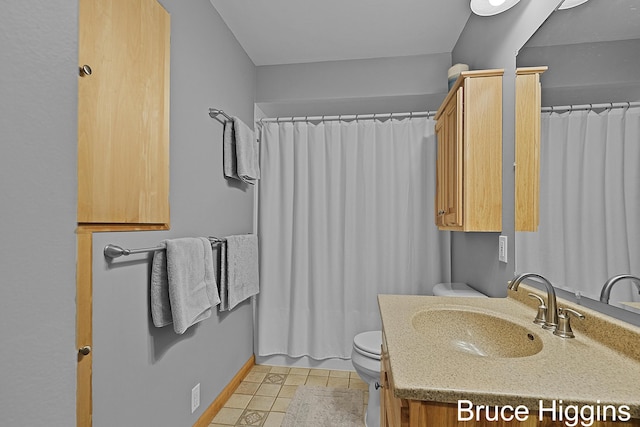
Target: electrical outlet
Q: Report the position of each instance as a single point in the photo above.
(502, 248)
(195, 398)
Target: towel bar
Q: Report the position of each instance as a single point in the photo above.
(114, 251)
(213, 112)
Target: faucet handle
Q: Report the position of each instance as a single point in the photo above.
(541, 317)
(564, 322)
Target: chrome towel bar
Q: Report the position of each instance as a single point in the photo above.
(115, 251)
(214, 112)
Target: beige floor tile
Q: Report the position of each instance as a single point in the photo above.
(274, 419)
(319, 372)
(279, 370)
(247, 387)
(358, 383)
(299, 371)
(281, 404)
(252, 417)
(339, 374)
(218, 425)
(255, 377)
(268, 390)
(261, 403)
(238, 401)
(295, 379)
(273, 378)
(338, 382)
(353, 374)
(227, 416)
(261, 368)
(288, 390)
(319, 381)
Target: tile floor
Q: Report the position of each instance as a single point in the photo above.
(264, 395)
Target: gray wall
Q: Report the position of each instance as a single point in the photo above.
(493, 42)
(38, 91)
(363, 86)
(142, 375)
(587, 73)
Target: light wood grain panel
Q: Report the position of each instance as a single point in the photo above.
(527, 174)
(427, 414)
(483, 154)
(123, 117)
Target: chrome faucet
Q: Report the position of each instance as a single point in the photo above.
(552, 307)
(606, 289)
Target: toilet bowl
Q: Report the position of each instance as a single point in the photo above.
(367, 346)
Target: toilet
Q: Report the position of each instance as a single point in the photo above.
(365, 355)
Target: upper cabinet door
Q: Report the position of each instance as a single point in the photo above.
(123, 112)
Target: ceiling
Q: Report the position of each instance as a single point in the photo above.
(298, 31)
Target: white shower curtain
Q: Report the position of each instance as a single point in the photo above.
(345, 213)
(590, 202)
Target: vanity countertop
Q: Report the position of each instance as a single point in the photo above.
(579, 371)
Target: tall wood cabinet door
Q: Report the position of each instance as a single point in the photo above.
(450, 164)
(123, 112)
(528, 104)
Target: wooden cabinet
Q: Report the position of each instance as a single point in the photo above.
(469, 159)
(528, 104)
(123, 113)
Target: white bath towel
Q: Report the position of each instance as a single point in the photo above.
(190, 287)
(240, 152)
(241, 280)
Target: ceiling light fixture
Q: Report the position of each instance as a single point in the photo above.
(492, 7)
(568, 4)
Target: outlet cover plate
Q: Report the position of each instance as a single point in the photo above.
(195, 397)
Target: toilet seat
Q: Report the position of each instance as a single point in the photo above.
(368, 344)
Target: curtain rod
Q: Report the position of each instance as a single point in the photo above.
(583, 107)
(348, 117)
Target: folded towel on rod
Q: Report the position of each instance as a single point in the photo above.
(240, 152)
(183, 283)
(239, 278)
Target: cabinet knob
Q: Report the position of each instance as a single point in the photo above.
(84, 350)
(85, 70)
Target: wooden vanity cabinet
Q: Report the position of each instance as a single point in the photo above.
(469, 156)
(528, 105)
(123, 112)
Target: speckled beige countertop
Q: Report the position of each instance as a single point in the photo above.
(580, 371)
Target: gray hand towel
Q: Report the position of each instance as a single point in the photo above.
(248, 168)
(160, 304)
(229, 151)
(240, 152)
(241, 280)
(190, 290)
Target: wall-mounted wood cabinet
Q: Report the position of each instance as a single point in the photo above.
(469, 163)
(528, 105)
(123, 113)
